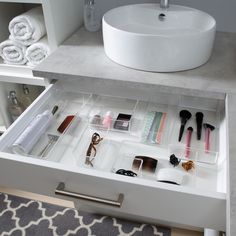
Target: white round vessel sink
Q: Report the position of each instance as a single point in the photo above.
(146, 37)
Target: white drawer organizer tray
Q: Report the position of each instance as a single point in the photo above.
(199, 201)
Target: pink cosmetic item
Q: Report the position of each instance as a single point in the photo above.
(161, 128)
(188, 141)
(107, 121)
(208, 129)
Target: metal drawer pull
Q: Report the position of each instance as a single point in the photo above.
(60, 190)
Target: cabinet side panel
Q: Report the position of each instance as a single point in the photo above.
(62, 18)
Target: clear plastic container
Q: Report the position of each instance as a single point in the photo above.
(102, 155)
(127, 163)
(198, 155)
(157, 124)
(112, 113)
(130, 152)
(68, 104)
(196, 149)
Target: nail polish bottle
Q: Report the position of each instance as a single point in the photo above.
(107, 120)
(95, 117)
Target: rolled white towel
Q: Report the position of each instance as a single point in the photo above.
(13, 52)
(37, 52)
(28, 27)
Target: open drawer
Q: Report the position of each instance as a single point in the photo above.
(60, 167)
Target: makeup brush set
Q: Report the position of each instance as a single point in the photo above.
(185, 115)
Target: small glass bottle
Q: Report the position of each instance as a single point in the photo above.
(92, 22)
(15, 108)
(107, 120)
(25, 99)
(95, 117)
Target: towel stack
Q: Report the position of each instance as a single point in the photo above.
(27, 42)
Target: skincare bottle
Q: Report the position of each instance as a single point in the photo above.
(92, 22)
(32, 133)
(25, 99)
(107, 120)
(15, 108)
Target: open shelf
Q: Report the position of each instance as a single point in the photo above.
(64, 13)
(19, 74)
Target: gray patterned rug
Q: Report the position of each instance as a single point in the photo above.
(24, 217)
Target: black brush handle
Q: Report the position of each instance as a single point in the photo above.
(199, 120)
(199, 130)
(185, 115)
(55, 109)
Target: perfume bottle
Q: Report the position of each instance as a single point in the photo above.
(92, 22)
(15, 108)
(25, 99)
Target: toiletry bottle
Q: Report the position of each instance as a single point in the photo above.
(107, 120)
(25, 99)
(32, 133)
(92, 21)
(15, 108)
(95, 117)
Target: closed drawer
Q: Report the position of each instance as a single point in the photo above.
(199, 201)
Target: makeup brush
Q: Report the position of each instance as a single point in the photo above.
(208, 129)
(199, 119)
(184, 117)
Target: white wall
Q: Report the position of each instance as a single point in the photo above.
(7, 12)
(224, 11)
(105, 5)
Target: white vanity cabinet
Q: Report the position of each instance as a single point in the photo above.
(200, 201)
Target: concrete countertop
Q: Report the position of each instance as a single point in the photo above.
(82, 57)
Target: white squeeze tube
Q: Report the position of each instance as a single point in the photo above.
(30, 136)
